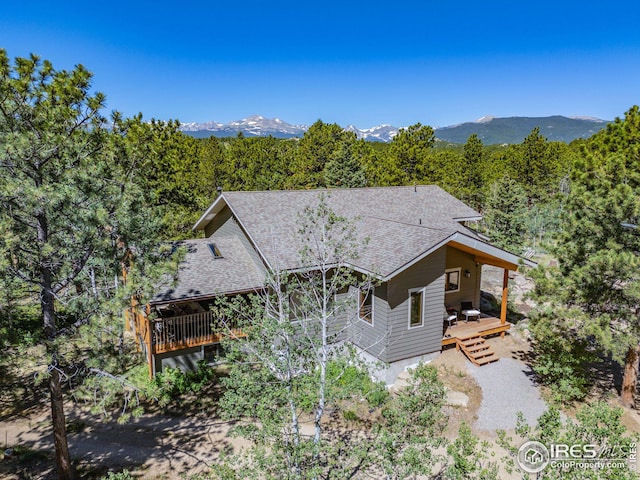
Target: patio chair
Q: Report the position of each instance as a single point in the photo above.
(450, 315)
(466, 308)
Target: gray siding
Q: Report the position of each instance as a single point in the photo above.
(185, 360)
(224, 224)
(469, 287)
(403, 341)
(373, 339)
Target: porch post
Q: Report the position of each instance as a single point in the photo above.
(149, 342)
(505, 297)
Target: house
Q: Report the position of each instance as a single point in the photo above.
(420, 250)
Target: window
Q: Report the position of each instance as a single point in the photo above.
(452, 280)
(215, 251)
(365, 305)
(416, 308)
(296, 311)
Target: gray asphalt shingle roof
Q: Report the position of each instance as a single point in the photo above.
(401, 223)
(201, 275)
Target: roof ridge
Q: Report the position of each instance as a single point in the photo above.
(410, 224)
(327, 189)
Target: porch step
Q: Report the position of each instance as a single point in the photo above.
(478, 347)
(470, 342)
(477, 351)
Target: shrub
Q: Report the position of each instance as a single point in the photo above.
(123, 475)
(172, 383)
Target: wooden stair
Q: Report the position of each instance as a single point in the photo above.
(476, 350)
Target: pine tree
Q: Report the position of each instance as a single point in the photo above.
(344, 169)
(597, 284)
(69, 207)
(505, 214)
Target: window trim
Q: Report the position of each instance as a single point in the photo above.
(371, 294)
(446, 274)
(422, 291)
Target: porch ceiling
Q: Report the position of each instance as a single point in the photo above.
(483, 257)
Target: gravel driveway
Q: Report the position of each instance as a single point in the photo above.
(507, 387)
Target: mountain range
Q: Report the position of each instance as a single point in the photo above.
(491, 130)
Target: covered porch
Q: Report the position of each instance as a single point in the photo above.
(164, 334)
(469, 256)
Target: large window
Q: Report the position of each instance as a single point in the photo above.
(365, 305)
(452, 280)
(416, 308)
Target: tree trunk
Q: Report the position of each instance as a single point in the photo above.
(47, 304)
(630, 377)
(63, 462)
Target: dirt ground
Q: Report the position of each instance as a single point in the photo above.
(158, 446)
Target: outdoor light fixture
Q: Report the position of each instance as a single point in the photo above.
(467, 273)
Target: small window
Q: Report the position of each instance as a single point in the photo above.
(365, 305)
(416, 304)
(452, 280)
(215, 251)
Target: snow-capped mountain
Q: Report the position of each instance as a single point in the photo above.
(194, 127)
(491, 130)
(259, 126)
(254, 126)
(381, 133)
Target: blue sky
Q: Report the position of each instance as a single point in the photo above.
(361, 63)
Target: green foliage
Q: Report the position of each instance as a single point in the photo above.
(595, 292)
(469, 458)
(352, 381)
(257, 163)
(291, 366)
(596, 424)
(73, 208)
(20, 326)
(409, 152)
(537, 166)
(321, 144)
(413, 425)
(172, 383)
(123, 475)
(345, 167)
(473, 155)
(505, 214)
(563, 355)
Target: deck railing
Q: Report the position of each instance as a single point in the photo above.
(174, 333)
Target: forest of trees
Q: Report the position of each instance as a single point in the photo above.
(183, 172)
(82, 196)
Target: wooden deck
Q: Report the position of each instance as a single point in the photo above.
(462, 331)
(175, 333)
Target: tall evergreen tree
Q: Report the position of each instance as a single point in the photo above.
(66, 205)
(536, 168)
(597, 284)
(315, 150)
(410, 150)
(505, 214)
(345, 169)
(473, 154)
